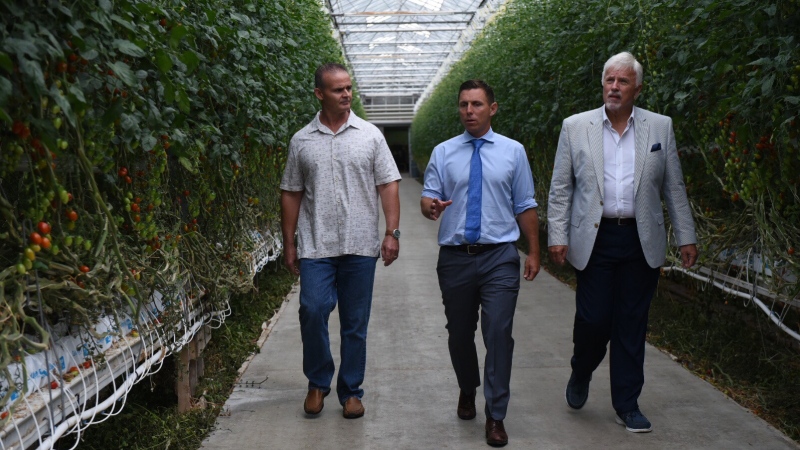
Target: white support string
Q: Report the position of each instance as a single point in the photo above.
(749, 296)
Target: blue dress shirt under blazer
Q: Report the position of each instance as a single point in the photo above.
(507, 187)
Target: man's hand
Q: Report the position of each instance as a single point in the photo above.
(432, 207)
(390, 249)
(532, 266)
(290, 258)
(558, 254)
(688, 255)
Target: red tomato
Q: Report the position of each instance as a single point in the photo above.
(44, 227)
(84, 269)
(35, 238)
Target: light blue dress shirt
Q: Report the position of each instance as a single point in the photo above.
(507, 187)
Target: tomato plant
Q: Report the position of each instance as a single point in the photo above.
(111, 120)
(726, 72)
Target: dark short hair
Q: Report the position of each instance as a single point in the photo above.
(477, 84)
(326, 68)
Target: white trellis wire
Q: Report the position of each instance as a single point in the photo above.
(748, 289)
(49, 400)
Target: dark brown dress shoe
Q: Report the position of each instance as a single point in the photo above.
(496, 433)
(314, 401)
(466, 406)
(353, 409)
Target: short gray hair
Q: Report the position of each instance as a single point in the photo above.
(624, 60)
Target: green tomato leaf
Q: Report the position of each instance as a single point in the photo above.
(148, 142)
(129, 48)
(5, 90)
(76, 91)
(62, 101)
(163, 61)
(187, 164)
(6, 63)
(90, 54)
(191, 60)
(124, 72)
(183, 101)
(176, 35)
(34, 75)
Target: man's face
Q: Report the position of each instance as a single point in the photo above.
(475, 111)
(336, 93)
(620, 90)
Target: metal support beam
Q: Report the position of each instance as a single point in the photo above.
(398, 30)
(414, 22)
(415, 62)
(399, 13)
(377, 44)
(402, 53)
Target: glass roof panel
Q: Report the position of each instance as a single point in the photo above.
(402, 48)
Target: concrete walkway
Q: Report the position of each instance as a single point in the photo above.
(411, 392)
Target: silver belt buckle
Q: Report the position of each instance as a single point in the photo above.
(469, 249)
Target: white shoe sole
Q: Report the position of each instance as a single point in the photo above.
(633, 430)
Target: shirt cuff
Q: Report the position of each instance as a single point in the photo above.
(524, 206)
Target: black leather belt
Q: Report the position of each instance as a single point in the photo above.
(475, 249)
(618, 221)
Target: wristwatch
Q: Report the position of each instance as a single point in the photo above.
(393, 233)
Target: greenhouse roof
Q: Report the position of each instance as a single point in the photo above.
(398, 50)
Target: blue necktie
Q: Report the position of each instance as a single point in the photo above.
(472, 228)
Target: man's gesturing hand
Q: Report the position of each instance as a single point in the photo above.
(437, 206)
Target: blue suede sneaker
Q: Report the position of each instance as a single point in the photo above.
(634, 421)
(577, 392)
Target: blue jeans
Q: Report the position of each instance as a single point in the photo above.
(323, 281)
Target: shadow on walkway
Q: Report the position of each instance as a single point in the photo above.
(411, 392)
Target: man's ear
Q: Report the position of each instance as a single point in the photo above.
(318, 93)
(493, 109)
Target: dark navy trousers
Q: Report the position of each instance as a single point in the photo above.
(612, 303)
(487, 283)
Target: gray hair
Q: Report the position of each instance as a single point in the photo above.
(624, 60)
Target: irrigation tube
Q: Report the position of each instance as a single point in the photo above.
(737, 293)
(123, 388)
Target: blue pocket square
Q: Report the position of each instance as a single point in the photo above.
(656, 147)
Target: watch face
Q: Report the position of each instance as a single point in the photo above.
(396, 234)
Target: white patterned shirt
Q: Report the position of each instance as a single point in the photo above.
(338, 174)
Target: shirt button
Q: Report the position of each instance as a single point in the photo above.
(601, 203)
(596, 225)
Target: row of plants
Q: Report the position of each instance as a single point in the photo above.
(141, 142)
(726, 71)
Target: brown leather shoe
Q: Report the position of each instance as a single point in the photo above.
(353, 409)
(466, 406)
(496, 433)
(314, 401)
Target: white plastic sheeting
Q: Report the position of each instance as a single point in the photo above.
(58, 391)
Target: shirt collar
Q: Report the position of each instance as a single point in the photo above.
(488, 137)
(352, 121)
(607, 121)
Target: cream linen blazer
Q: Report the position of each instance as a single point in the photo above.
(575, 203)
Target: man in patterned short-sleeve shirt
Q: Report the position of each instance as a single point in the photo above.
(339, 166)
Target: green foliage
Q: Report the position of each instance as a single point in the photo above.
(150, 137)
(726, 71)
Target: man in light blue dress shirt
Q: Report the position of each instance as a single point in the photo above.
(479, 266)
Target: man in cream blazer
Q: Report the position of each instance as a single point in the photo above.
(613, 168)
